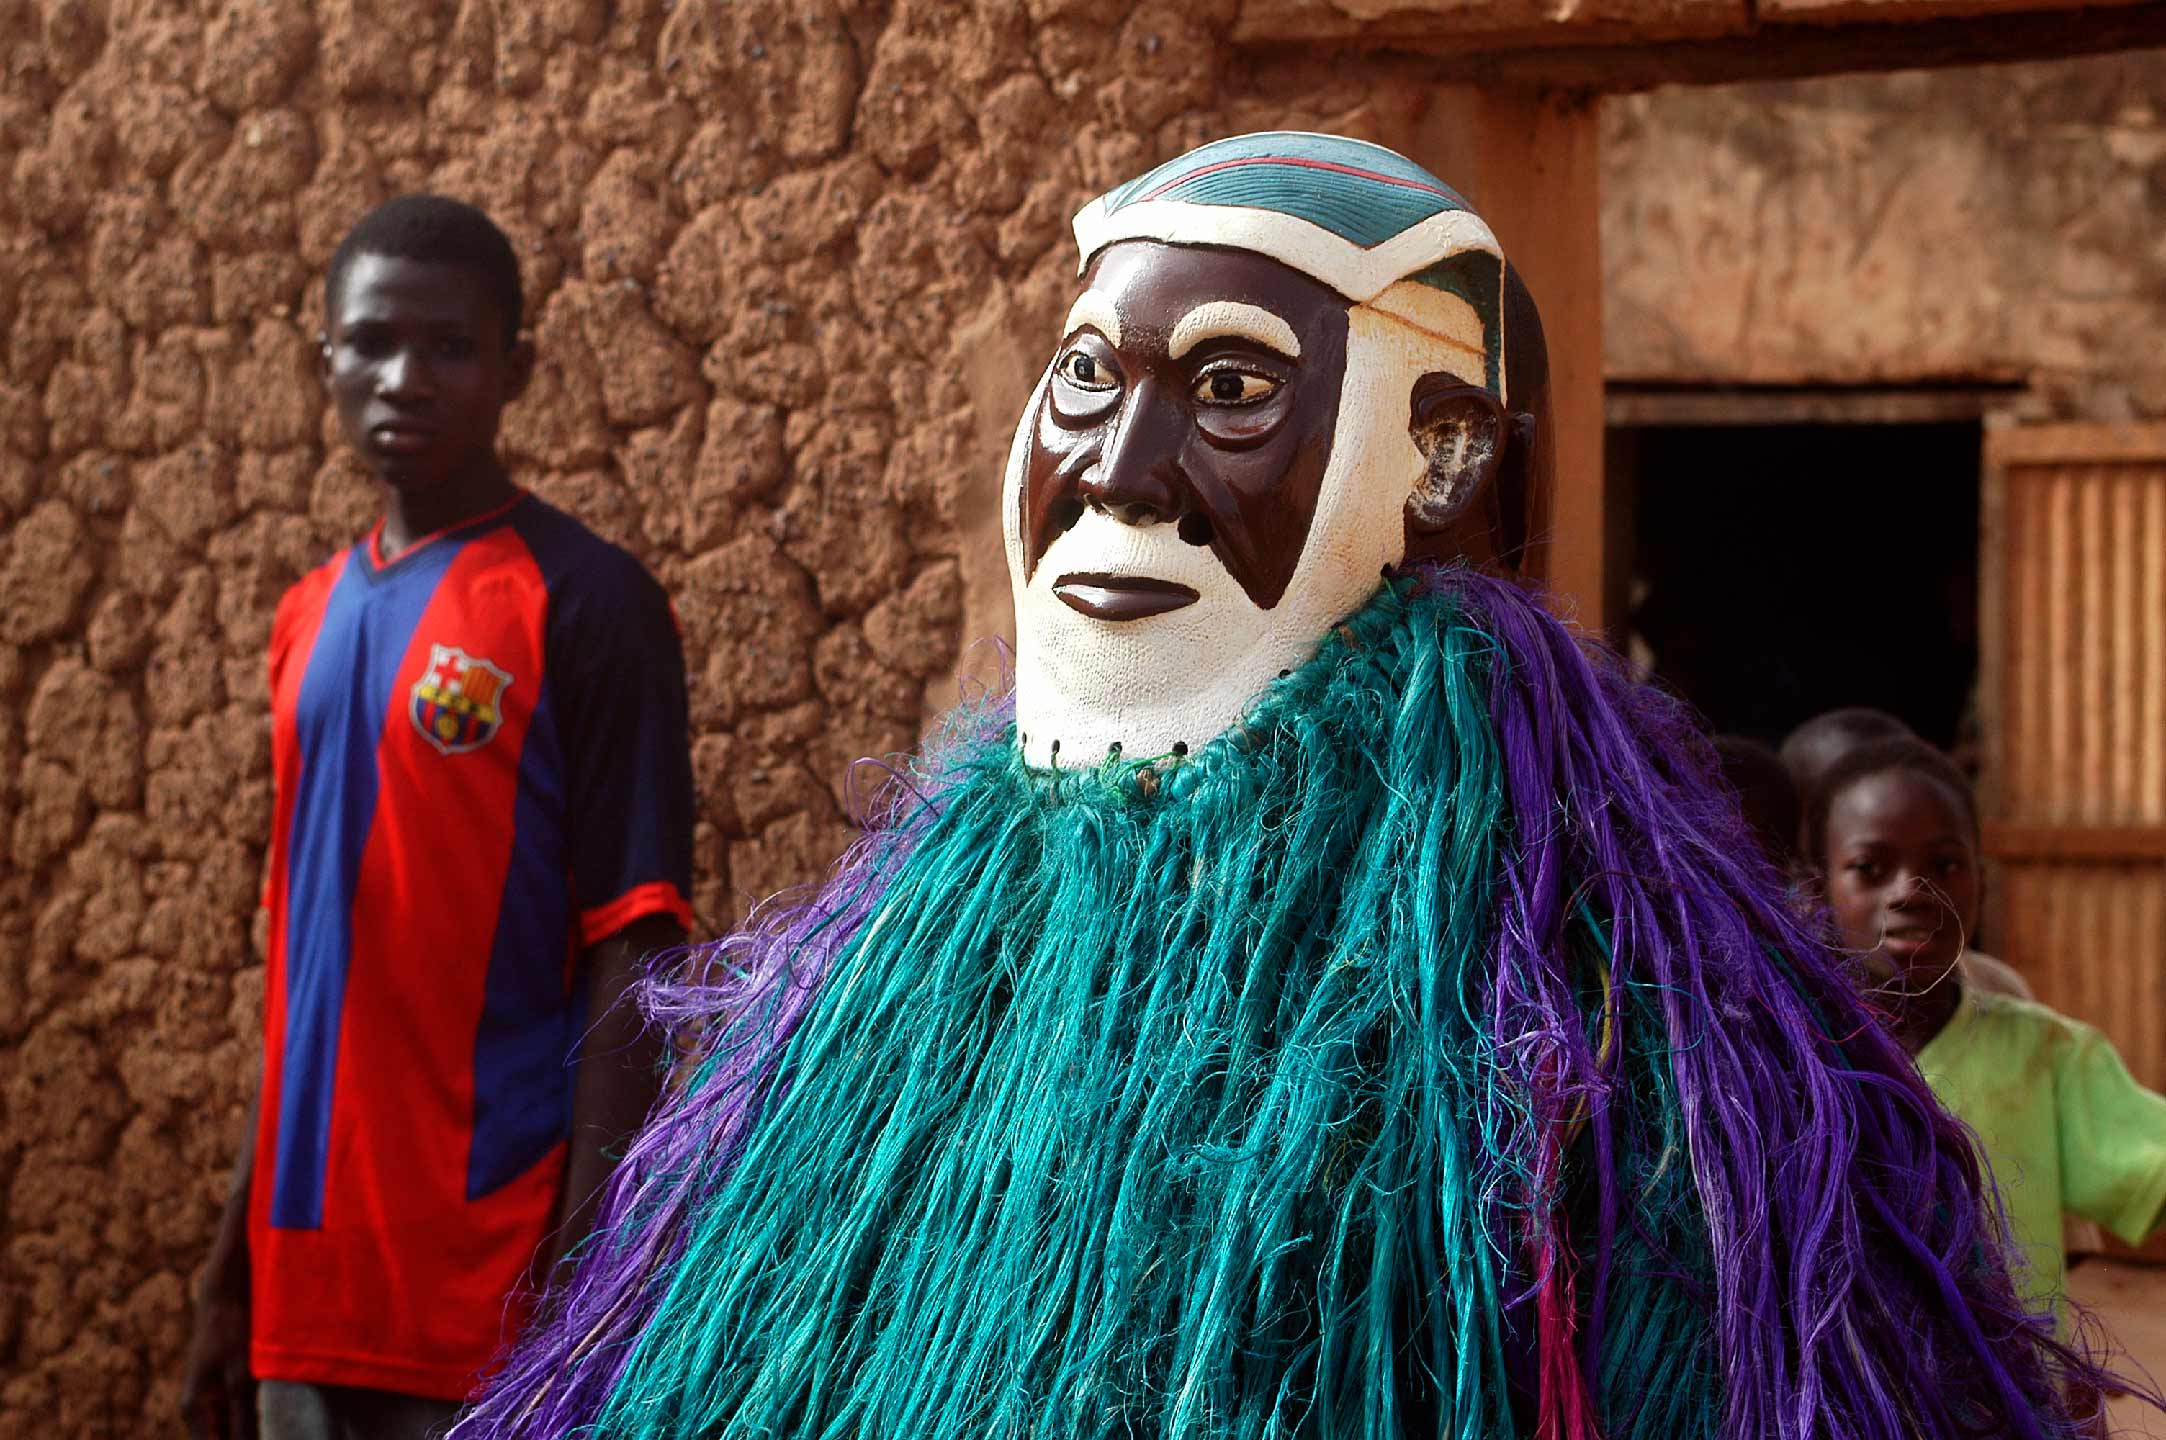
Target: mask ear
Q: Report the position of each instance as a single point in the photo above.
(1462, 432)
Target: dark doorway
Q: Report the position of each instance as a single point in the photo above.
(1782, 570)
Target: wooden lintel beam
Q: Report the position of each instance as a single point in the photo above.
(1772, 50)
(1629, 407)
(2034, 450)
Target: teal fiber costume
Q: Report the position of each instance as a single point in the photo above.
(1426, 1053)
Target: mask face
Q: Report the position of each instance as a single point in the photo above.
(1215, 470)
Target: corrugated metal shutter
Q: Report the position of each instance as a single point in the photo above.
(2073, 708)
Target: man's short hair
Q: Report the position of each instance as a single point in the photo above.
(440, 230)
(1901, 752)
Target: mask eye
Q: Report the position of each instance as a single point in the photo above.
(1084, 371)
(1085, 386)
(1227, 386)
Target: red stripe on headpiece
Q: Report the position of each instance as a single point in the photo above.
(1304, 164)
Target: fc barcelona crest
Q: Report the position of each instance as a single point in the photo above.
(458, 703)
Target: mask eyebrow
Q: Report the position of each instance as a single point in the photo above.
(1219, 318)
(1095, 309)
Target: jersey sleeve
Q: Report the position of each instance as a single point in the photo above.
(2113, 1139)
(616, 664)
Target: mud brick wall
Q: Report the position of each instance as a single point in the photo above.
(792, 268)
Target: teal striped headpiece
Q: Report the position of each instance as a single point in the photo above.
(1358, 217)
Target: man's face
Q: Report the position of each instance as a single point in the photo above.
(1198, 389)
(418, 367)
(1212, 473)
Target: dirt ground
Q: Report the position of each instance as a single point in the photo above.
(2130, 1301)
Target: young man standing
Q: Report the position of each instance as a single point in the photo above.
(483, 822)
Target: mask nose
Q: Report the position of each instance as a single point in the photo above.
(1137, 480)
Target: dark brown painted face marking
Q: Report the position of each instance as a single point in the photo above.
(1228, 441)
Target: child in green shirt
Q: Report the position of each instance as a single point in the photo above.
(2061, 1122)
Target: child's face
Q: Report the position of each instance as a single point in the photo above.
(1902, 878)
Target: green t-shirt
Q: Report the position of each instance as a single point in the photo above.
(2061, 1121)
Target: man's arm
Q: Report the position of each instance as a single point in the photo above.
(617, 1072)
(616, 665)
(218, 1395)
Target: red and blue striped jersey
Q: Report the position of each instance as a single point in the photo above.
(482, 767)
